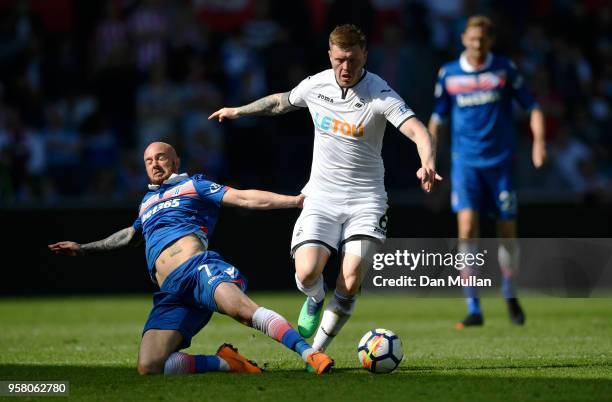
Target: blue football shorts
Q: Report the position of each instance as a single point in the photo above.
(488, 190)
(186, 301)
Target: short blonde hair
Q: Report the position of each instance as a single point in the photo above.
(346, 36)
(480, 21)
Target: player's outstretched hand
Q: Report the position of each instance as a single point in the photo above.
(225, 113)
(538, 154)
(66, 248)
(428, 177)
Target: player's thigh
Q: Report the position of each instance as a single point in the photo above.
(467, 188)
(213, 272)
(172, 312)
(232, 301)
(155, 347)
(356, 260)
(502, 183)
(319, 222)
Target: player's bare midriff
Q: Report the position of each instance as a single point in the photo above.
(175, 254)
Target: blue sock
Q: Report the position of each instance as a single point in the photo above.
(204, 363)
(473, 304)
(508, 288)
(294, 341)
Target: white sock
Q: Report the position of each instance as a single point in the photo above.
(335, 316)
(508, 256)
(184, 363)
(316, 290)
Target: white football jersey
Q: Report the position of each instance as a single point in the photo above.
(349, 126)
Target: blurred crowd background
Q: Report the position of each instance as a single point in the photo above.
(86, 85)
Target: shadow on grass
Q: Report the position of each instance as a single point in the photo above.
(537, 383)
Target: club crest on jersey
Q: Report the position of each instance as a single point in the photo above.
(214, 187)
(359, 104)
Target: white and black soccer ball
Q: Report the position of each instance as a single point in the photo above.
(380, 351)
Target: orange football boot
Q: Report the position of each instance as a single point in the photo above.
(237, 362)
(320, 362)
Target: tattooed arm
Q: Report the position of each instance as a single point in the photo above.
(124, 237)
(270, 105)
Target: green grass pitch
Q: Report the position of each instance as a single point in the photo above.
(563, 353)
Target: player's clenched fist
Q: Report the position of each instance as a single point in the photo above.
(225, 113)
(67, 248)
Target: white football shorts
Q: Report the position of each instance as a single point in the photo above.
(330, 223)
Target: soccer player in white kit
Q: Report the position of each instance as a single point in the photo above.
(346, 202)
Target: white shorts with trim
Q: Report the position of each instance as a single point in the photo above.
(332, 222)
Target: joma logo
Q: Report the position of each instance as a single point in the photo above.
(325, 98)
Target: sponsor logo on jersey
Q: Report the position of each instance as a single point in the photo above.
(183, 190)
(335, 126)
(214, 187)
(478, 98)
(460, 84)
(325, 98)
(162, 205)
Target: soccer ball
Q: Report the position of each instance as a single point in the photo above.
(380, 351)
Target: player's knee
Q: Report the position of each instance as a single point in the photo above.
(309, 263)
(468, 232)
(307, 275)
(149, 365)
(468, 227)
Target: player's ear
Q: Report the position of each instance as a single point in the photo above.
(178, 164)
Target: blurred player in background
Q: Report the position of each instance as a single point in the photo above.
(477, 91)
(177, 217)
(346, 202)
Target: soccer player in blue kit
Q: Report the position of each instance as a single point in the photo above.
(176, 219)
(477, 91)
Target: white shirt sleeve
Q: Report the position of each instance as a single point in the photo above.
(388, 103)
(298, 95)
